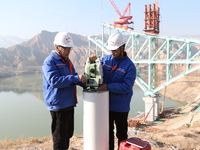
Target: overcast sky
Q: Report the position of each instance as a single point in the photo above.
(26, 18)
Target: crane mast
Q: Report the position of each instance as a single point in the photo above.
(156, 3)
(152, 18)
(125, 17)
(115, 7)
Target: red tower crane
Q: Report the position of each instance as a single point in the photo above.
(125, 17)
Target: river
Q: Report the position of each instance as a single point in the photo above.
(23, 113)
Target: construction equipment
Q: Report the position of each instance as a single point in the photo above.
(94, 74)
(134, 143)
(156, 2)
(124, 18)
(152, 18)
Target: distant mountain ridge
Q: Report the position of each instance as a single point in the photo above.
(7, 41)
(28, 56)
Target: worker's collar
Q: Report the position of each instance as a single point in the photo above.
(56, 55)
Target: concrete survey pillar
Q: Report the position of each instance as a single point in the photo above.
(95, 120)
(151, 108)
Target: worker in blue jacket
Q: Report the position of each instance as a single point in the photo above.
(119, 76)
(59, 88)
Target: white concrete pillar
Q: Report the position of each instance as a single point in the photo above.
(95, 120)
(151, 108)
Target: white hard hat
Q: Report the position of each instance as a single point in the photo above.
(115, 41)
(63, 39)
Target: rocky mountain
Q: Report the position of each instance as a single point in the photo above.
(7, 41)
(29, 56)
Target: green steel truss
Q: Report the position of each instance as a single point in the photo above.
(160, 61)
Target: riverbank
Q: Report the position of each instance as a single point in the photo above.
(177, 130)
(174, 133)
(181, 139)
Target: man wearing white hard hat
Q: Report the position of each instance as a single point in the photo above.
(59, 88)
(119, 77)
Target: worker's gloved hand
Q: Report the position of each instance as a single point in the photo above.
(82, 78)
(102, 87)
(92, 58)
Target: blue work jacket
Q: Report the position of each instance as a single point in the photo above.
(58, 83)
(119, 75)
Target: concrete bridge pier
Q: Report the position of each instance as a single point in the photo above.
(151, 108)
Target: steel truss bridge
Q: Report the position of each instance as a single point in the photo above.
(160, 61)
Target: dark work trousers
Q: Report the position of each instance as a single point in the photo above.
(62, 128)
(120, 120)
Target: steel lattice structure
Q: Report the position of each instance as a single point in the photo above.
(160, 61)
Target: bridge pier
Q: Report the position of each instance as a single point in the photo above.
(151, 108)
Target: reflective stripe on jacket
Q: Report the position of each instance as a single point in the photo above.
(119, 75)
